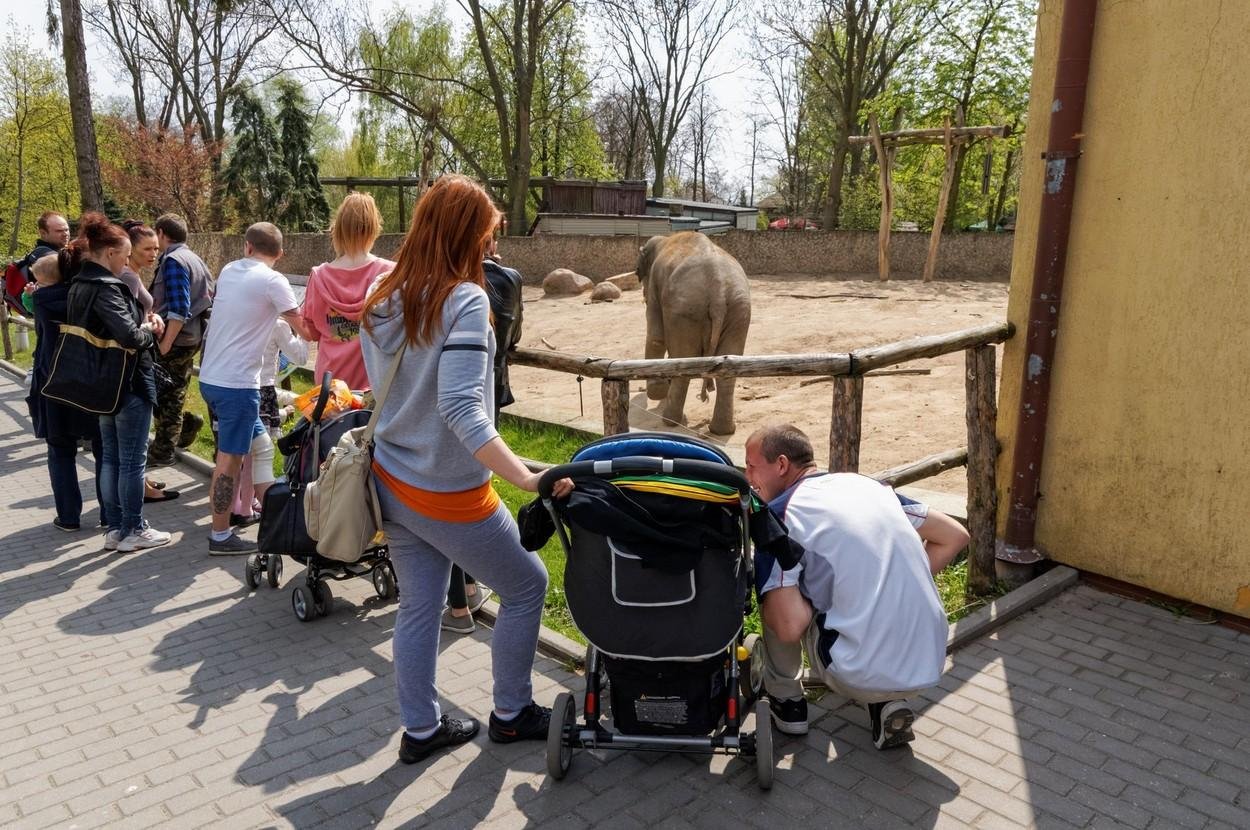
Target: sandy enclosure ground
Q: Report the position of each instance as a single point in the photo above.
(906, 417)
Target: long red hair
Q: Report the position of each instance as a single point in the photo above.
(450, 229)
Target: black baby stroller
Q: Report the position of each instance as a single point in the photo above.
(282, 527)
(658, 568)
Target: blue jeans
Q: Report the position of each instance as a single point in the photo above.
(63, 471)
(125, 439)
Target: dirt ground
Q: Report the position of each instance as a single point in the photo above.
(906, 417)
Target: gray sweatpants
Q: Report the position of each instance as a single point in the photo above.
(423, 550)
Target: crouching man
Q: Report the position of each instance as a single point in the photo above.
(862, 603)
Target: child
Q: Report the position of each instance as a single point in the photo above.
(285, 350)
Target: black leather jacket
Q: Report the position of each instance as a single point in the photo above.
(503, 287)
(103, 305)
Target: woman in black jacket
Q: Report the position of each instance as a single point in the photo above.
(60, 426)
(102, 304)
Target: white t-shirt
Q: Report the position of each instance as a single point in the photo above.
(866, 571)
(250, 296)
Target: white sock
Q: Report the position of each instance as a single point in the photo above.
(422, 734)
(219, 535)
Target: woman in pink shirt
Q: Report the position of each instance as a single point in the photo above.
(336, 290)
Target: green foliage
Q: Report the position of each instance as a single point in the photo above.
(305, 208)
(255, 179)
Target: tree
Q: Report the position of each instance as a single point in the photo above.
(852, 48)
(157, 171)
(664, 48)
(703, 130)
(74, 50)
(255, 179)
(37, 144)
(618, 120)
(304, 205)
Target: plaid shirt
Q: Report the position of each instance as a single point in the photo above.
(177, 289)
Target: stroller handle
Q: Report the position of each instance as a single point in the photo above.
(646, 465)
(323, 398)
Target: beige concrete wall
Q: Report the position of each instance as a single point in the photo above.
(967, 256)
(1145, 468)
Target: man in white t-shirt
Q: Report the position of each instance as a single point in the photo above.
(862, 602)
(251, 296)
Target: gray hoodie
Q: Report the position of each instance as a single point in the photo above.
(437, 413)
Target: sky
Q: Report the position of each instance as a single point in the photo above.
(734, 88)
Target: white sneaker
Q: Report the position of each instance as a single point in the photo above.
(149, 537)
(112, 539)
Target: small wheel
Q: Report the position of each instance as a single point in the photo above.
(764, 763)
(751, 670)
(384, 580)
(251, 572)
(323, 600)
(559, 736)
(273, 570)
(302, 603)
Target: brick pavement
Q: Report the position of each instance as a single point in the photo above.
(152, 689)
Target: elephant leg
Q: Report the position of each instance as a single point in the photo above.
(675, 403)
(685, 340)
(733, 341)
(657, 388)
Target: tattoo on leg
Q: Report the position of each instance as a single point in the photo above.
(223, 493)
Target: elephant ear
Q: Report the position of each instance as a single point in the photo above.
(646, 257)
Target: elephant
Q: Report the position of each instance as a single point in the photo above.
(698, 304)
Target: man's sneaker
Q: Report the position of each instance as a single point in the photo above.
(155, 461)
(148, 537)
(477, 600)
(232, 545)
(530, 725)
(789, 715)
(451, 731)
(891, 723)
(239, 520)
(457, 625)
(191, 425)
(66, 526)
(112, 539)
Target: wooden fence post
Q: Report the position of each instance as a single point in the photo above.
(848, 408)
(615, 395)
(4, 331)
(982, 412)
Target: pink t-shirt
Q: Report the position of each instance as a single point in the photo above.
(332, 305)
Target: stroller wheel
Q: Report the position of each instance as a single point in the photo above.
(559, 736)
(764, 763)
(323, 600)
(273, 569)
(251, 571)
(302, 603)
(751, 670)
(384, 580)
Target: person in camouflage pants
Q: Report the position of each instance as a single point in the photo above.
(168, 416)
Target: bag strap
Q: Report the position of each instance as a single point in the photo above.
(380, 397)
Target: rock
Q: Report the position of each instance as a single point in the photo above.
(605, 292)
(564, 283)
(626, 282)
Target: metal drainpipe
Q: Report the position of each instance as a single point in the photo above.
(1063, 153)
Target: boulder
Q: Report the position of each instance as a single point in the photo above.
(626, 282)
(564, 283)
(605, 292)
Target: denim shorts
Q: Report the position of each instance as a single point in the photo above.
(237, 415)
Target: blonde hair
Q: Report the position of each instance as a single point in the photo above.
(357, 224)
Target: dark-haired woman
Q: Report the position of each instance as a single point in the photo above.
(435, 450)
(60, 426)
(143, 252)
(102, 304)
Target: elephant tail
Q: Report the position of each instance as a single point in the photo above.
(717, 310)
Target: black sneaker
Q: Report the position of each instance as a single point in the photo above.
(155, 461)
(530, 725)
(451, 731)
(891, 723)
(66, 526)
(239, 520)
(191, 425)
(232, 545)
(790, 716)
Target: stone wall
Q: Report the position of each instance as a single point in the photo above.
(967, 256)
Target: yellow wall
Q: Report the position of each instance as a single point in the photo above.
(1146, 474)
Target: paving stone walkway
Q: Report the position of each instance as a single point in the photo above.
(153, 689)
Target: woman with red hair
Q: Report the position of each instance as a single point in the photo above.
(435, 448)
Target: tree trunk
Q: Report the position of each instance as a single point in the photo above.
(833, 197)
(21, 193)
(1002, 189)
(660, 158)
(90, 190)
(952, 215)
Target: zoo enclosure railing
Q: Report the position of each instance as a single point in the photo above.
(847, 371)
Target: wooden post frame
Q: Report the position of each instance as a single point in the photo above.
(4, 331)
(982, 414)
(885, 165)
(844, 431)
(615, 395)
(939, 217)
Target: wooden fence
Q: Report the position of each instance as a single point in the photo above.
(846, 370)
